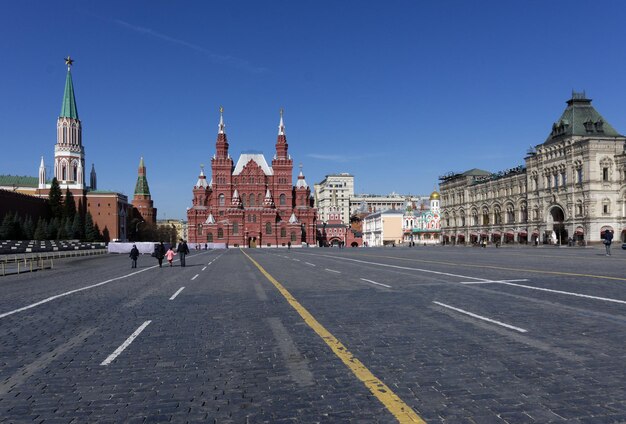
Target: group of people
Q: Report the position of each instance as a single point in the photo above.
(160, 253)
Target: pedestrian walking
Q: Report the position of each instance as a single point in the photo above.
(608, 239)
(170, 255)
(134, 254)
(288, 245)
(183, 250)
(159, 253)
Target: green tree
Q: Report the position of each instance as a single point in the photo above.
(61, 232)
(41, 230)
(91, 232)
(69, 205)
(67, 226)
(78, 227)
(53, 228)
(98, 233)
(105, 235)
(28, 228)
(5, 227)
(54, 199)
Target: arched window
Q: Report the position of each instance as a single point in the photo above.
(259, 200)
(268, 228)
(253, 218)
(251, 203)
(75, 172)
(235, 228)
(220, 233)
(209, 237)
(63, 172)
(283, 199)
(199, 230)
(283, 232)
(293, 236)
(221, 199)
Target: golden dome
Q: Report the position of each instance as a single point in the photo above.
(434, 196)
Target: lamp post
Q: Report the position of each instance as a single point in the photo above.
(137, 228)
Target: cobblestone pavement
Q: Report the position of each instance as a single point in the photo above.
(460, 335)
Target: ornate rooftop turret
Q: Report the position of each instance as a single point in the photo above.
(236, 200)
(268, 202)
(281, 141)
(301, 183)
(293, 219)
(201, 183)
(93, 179)
(210, 219)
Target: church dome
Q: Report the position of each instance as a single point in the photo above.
(434, 196)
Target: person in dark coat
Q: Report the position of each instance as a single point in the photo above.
(608, 239)
(159, 253)
(182, 250)
(134, 254)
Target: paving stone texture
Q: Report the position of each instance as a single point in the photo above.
(230, 349)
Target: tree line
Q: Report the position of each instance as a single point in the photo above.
(65, 221)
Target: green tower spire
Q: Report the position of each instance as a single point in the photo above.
(141, 187)
(68, 109)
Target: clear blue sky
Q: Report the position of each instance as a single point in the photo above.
(395, 92)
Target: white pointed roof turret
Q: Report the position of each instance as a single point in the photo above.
(301, 183)
(210, 219)
(41, 165)
(293, 219)
(236, 201)
(268, 202)
(281, 125)
(221, 125)
(201, 179)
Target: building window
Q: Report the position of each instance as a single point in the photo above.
(606, 207)
(605, 174)
(221, 213)
(209, 237)
(199, 230)
(564, 178)
(268, 228)
(220, 233)
(579, 175)
(283, 232)
(221, 199)
(251, 203)
(283, 199)
(235, 228)
(293, 236)
(253, 218)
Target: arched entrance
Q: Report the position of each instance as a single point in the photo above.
(556, 224)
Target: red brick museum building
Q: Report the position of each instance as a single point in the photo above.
(252, 204)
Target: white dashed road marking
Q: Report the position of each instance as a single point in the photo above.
(309, 263)
(176, 294)
(374, 282)
(521, 330)
(124, 345)
(194, 277)
(332, 270)
(490, 281)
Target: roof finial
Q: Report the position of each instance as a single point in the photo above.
(69, 62)
(281, 125)
(221, 125)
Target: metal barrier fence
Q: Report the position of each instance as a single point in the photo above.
(29, 262)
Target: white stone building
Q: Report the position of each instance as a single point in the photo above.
(383, 228)
(334, 191)
(573, 186)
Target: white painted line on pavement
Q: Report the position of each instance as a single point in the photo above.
(401, 267)
(374, 282)
(176, 294)
(332, 270)
(194, 277)
(297, 260)
(491, 281)
(124, 345)
(309, 263)
(521, 330)
(48, 299)
(606, 299)
(203, 268)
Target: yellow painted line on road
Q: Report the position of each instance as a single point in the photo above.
(383, 393)
(536, 271)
